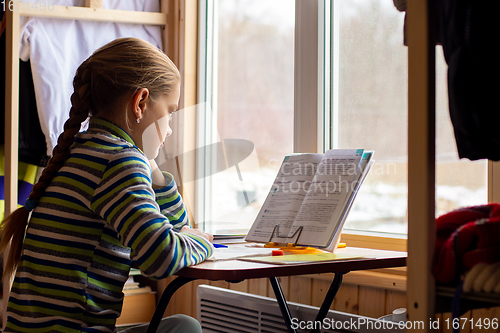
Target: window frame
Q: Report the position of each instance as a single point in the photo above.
(180, 43)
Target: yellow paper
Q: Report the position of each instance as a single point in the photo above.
(302, 258)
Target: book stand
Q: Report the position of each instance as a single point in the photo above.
(276, 233)
(294, 247)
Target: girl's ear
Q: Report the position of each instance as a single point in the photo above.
(139, 102)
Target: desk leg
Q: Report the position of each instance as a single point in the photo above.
(285, 312)
(327, 302)
(164, 300)
(323, 310)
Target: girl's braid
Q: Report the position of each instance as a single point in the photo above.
(14, 226)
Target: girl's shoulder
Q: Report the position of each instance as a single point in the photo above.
(104, 143)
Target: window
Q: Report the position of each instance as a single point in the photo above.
(249, 107)
(258, 80)
(371, 113)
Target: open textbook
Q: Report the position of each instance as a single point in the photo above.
(311, 197)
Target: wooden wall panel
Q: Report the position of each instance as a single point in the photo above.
(443, 327)
(445, 323)
(477, 315)
(285, 287)
(258, 286)
(439, 318)
(240, 286)
(395, 300)
(171, 308)
(300, 289)
(355, 299)
(220, 284)
(372, 301)
(364, 300)
(468, 329)
(137, 309)
(351, 298)
(479, 318)
(318, 291)
(347, 299)
(182, 301)
(194, 288)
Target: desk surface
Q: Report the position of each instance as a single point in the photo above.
(237, 270)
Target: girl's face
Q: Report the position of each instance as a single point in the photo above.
(156, 118)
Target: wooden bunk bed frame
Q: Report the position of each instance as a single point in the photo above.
(424, 298)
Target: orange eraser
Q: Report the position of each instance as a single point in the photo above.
(277, 252)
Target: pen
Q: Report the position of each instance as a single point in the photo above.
(218, 245)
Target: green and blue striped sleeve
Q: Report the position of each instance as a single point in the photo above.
(126, 200)
(171, 204)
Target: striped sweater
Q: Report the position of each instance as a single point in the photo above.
(98, 215)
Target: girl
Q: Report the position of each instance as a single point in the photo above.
(94, 210)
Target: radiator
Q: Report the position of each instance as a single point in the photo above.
(221, 310)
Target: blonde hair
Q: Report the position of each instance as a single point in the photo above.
(119, 68)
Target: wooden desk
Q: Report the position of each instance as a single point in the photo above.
(238, 270)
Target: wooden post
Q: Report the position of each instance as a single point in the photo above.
(180, 42)
(11, 128)
(306, 77)
(421, 164)
(93, 3)
(493, 182)
(188, 60)
(166, 8)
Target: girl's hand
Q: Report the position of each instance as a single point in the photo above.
(198, 232)
(159, 180)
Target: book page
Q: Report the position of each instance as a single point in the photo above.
(235, 251)
(365, 166)
(327, 196)
(285, 198)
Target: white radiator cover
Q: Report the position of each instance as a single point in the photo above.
(221, 310)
